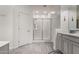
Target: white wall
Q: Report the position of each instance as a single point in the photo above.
(68, 13)
(9, 24)
(55, 25)
(64, 18)
(6, 24)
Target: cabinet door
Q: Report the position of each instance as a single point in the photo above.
(75, 48)
(65, 47)
(62, 43)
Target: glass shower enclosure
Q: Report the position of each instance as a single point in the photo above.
(42, 28)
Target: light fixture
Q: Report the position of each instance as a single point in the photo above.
(42, 16)
(44, 12)
(49, 16)
(36, 16)
(53, 12)
(37, 12)
(44, 5)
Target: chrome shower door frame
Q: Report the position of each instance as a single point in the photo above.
(42, 32)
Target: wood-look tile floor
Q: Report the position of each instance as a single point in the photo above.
(34, 48)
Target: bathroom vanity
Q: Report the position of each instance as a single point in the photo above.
(4, 47)
(68, 43)
(67, 40)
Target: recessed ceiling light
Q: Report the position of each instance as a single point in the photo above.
(53, 12)
(44, 12)
(37, 11)
(42, 16)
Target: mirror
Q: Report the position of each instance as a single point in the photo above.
(77, 21)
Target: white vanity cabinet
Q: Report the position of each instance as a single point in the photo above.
(62, 44)
(74, 48)
(67, 44)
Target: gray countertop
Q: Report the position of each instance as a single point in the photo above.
(70, 34)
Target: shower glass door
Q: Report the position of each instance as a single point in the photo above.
(37, 29)
(46, 29)
(41, 29)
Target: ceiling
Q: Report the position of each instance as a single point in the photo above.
(47, 8)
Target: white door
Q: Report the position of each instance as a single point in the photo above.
(37, 29)
(24, 28)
